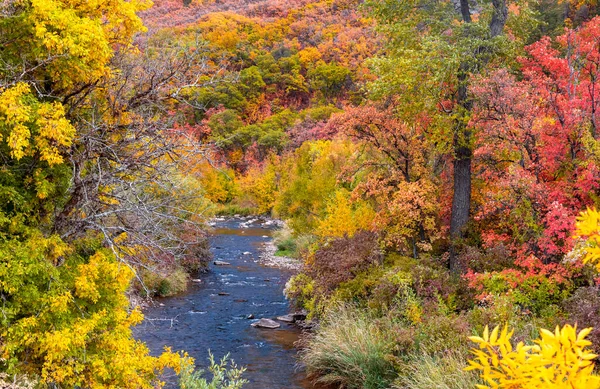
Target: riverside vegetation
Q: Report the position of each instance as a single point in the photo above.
(437, 164)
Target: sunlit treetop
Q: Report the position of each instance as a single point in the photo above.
(66, 42)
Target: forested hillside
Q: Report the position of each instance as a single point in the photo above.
(436, 164)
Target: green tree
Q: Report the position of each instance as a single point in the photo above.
(434, 48)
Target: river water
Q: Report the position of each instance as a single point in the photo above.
(214, 314)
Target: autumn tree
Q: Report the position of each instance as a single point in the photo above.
(538, 157)
(434, 48)
(82, 152)
(395, 175)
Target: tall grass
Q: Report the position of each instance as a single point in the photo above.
(350, 350)
(427, 371)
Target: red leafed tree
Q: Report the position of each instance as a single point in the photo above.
(539, 145)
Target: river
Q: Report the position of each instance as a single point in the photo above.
(213, 314)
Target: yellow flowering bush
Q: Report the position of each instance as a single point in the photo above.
(588, 226)
(66, 318)
(557, 360)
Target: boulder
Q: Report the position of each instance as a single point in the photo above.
(266, 323)
(299, 316)
(286, 318)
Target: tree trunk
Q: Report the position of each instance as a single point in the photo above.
(461, 198)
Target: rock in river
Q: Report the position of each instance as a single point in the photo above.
(298, 316)
(286, 318)
(221, 263)
(266, 323)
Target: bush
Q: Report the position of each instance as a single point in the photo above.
(286, 248)
(330, 79)
(342, 259)
(165, 284)
(431, 371)
(285, 242)
(556, 360)
(223, 376)
(300, 289)
(583, 308)
(351, 350)
(439, 333)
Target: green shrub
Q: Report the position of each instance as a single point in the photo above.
(439, 333)
(286, 248)
(235, 209)
(429, 371)
(301, 290)
(164, 284)
(350, 349)
(225, 375)
(285, 242)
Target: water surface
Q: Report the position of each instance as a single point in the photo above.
(214, 314)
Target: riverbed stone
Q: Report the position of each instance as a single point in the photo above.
(286, 318)
(266, 323)
(221, 263)
(300, 315)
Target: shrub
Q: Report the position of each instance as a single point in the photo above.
(286, 248)
(532, 284)
(330, 79)
(558, 360)
(235, 209)
(285, 242)
(588, 226)
(439, 333)
(225, 375)
(169, 283)
(351, 350)
(344, 216)
(583, 308)
(300, 289)
(431, 371)
(342, 259)
(259, 187)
